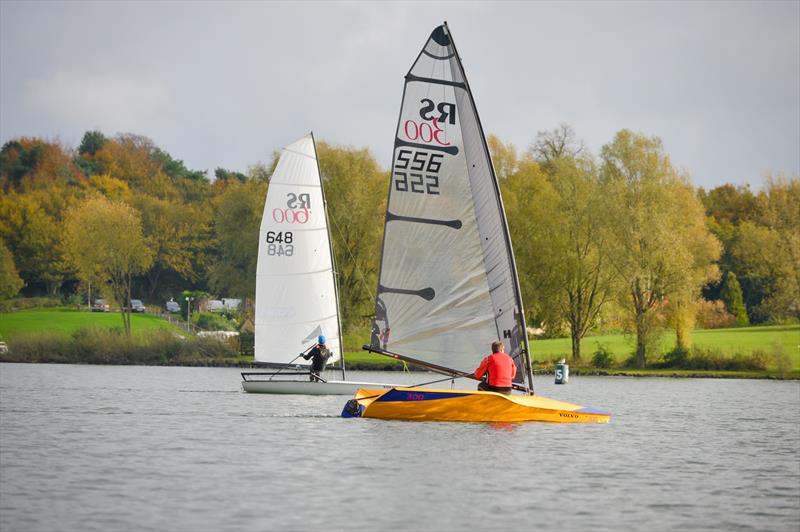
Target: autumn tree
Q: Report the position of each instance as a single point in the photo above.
(105, 242)
(18, 159)
(781, 214)
(137, 161)
(530, 203)
(222, 174)
(175, 233)
(91, 143)
(10, 281)
(31, 163)
(30, 225)
(356, 188)
(732, 296)
(550, 146)
(765, 253)
(552, 204)
(237, 219)
(727, 208)
(504, 157)
(659, 244)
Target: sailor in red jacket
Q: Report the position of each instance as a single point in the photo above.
(500, 368)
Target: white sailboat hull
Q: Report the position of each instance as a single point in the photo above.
(310, 388)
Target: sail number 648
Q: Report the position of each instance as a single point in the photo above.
(280, 243)
(279, 237)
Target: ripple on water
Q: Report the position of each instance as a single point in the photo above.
(121, 448)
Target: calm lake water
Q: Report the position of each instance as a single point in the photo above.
(145, 448)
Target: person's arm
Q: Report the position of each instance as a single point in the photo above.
(513, 369)
(482, 368)
(310, 354)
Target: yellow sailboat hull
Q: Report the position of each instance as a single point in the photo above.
(426, 404)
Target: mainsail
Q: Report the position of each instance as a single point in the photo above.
(296, 298)
(448, 285)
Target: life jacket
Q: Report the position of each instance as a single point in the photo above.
(501, 370)
(320, 355)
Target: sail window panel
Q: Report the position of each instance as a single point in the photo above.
(286, 341)
(295, 303)
(300, 298)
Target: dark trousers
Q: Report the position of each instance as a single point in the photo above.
(484, 387)
(315, 373)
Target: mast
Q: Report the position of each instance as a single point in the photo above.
(333, 257)
(506, 233)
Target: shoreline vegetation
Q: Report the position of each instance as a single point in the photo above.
(68, 336)
(605, 242)
(540, 370)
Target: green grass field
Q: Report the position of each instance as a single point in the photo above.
(67, 321)
(728, 341)
(742, 341)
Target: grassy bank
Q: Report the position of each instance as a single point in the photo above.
(728, 342)
(94, 345)
(66, 321)
(67, 335)
(749, 352)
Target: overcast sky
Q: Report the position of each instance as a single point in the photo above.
(225, 83)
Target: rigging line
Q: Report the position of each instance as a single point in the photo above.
(371, 396)
(352, 257)
(295, 358)
(451, 378)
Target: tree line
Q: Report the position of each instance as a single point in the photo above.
(618, 240)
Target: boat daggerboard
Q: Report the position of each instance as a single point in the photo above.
(447, 285)
(296, 298)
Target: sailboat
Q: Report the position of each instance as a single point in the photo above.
(448, 283)
(296, 290)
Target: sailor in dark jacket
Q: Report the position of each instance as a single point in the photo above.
(318, 355)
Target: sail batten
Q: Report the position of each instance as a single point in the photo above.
(447, 282)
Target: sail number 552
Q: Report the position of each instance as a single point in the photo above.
(417, 171)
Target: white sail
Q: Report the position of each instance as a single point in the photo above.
(296, 297)
(447, 285)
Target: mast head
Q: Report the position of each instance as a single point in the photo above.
(441, 36)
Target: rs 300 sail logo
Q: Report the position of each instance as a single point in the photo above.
(429, 129)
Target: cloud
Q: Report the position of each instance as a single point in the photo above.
(108, 101)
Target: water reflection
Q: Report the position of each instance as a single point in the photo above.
(503, 427)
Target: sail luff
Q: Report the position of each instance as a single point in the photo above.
(376, 333)
(333, 258)
(506, 232)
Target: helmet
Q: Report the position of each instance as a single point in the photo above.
(321, 339)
